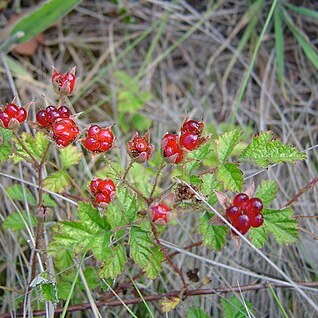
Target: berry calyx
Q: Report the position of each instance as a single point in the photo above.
(98, 139)
(50, 114)
(65, 131)
(63, 84)
(190, 140)
(11, 116)
(192, 126)
(139, 148)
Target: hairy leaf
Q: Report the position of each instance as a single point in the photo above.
(90, 232)
(266, 191)
(5, 135)
(231, 176)
(70, 156)
(236, 308)
(214, 236)
(49, 292)
(145, 252)
(115, 264)
(226, 143)
(57, 181)
(264, 151)
(5, 152)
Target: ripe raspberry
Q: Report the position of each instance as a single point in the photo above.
(240, 200)
(233, 213)
(171, 151)
(139, 148)
(65, 131)
(257, 220)
(98, 139)
(190, 140)
(243, 224)
(12, 115)
(103, 190)
(255, 204)
(160, 214)
(63, 84)
(192, 126)
(48, 116)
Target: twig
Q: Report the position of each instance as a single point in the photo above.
(156, 180)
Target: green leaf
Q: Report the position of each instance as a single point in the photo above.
(281, 224)
(115, 264)
(302, 10)
(91, 276)
(264, 151)
(70, 156)
(209, 184)
(226, 143)
(141, 122)
(266, 191)
(48, 201)
(18, 221)
(49, 292)
(5, 135)
(214, 236)
(145, 252)
(42, 18)
(5, 152)
(231, 176)
(36, 145)
(57, 181)
(195, 157)
(235, 308)
(258, 236)
(90, 232)
(279, 45)
(196, 312)
(123, 209)
(16, 192)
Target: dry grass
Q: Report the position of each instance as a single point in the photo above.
(185, 72)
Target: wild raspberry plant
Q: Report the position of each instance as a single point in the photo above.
(122, 212)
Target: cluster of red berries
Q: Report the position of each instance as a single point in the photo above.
(50, 114)
(139, 148)
(173, 145)
(102, 190)
(98, 139)
(245, 212)
(12, 115)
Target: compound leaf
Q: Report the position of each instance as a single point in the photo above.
(226, 143)
(263, 150)
(266, 191)
(145, 252)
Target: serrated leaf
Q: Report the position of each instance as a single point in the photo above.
(115, 264)
(123, 209)
(18, 221)
(196, 312)
(90, 232)
(36, 145)
(281, 224)
(16, 192)
(70, 156)
(214, 236)
(195, 157)
(235, 308)
(231, 176)
(57, 181)
(209, 184)
(266, 191)
(167, 304)
(5, 152)
(226, 143)
(5, 135)
(264, 151)
(42, 18)
(91, 277)
(48, 201)
(49, 292)
(145, 252)
(258, 236)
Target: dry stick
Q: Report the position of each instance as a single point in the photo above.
(311, 184)
(193, 292)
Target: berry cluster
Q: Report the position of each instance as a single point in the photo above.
(102, 190)
(48, 116)
(173, 145)
(245, 212)
(139, 148)
(65, 131)
(12, 115)
(98, 139)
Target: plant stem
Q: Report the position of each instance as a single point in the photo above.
(156, 180)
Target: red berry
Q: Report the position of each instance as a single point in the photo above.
(190, 141)
(192, 126)
(105, 135)
(64, 112)
(172, 153)
(243, 224)
(98, 139)
(65, 131)
(104, 146)
(12, 115)
(106, 186)
(4, 118)
(240, 200)
(11, 110)
(256, 204)
(63, 84)
(91, 144)
(102, 198)
(41, 118)
(257, 220)
(160, 213)
(232, 214)
(94, 185)
(93, 131)
(139, 148)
